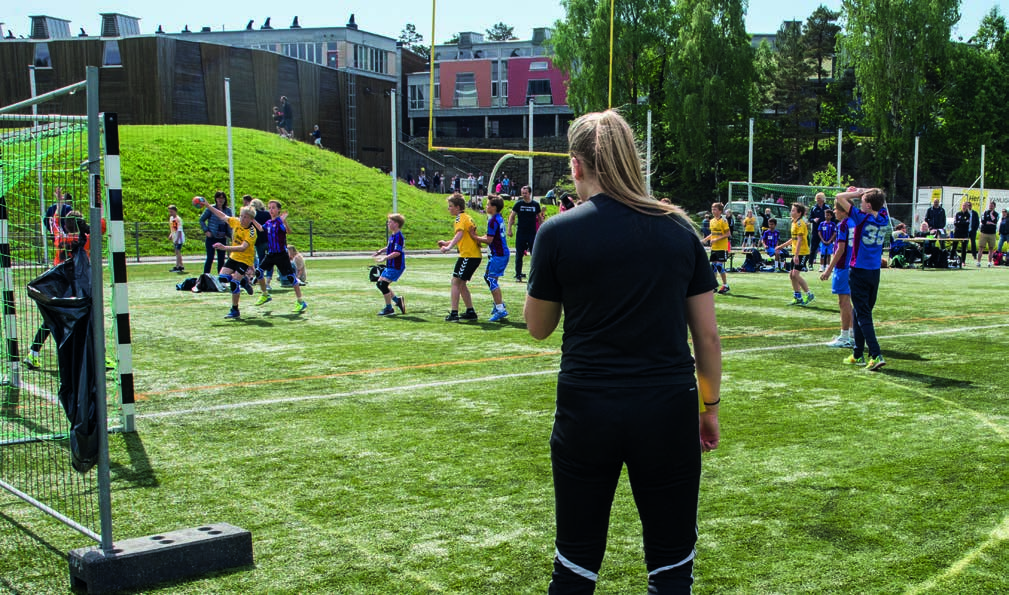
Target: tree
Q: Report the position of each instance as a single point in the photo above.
(501, 32)
(897, 50)
(581, 44)
(708, 90)
(820, 37)
(794, 99)
(991, 32)
(414, 41)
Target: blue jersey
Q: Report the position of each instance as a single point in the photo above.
(770, 238)
(495, 231)
(844, 231)
(276, 236)
(396, 245)
(867, 238)
(826, 230)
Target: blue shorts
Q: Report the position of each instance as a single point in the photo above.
(826, 249)
(496, 265)
(390, 274)
(770, 253)
(839, 282)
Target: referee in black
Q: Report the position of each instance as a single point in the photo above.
(529, 215)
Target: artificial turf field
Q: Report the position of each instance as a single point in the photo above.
(409, 455)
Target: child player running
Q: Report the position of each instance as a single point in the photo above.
(770, 238)
(800, 249)
(826, 230)
(499, 254)
(242, 253)
(276, 255)
(394, 257)
(719, 240)
(837, 272)
(869, 220)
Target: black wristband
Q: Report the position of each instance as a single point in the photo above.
(719, 400)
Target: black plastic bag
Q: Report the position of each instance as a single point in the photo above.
(63, 296)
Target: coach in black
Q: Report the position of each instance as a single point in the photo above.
(529, 215)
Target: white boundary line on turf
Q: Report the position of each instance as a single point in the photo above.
(353, 393)
(375, 391)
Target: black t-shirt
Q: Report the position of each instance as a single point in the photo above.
(989, 222)
(526, 214)
(262, 217)
(623, 279)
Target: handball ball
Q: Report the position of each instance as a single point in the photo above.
(197, 201)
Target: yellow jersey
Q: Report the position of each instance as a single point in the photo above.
(800, 238)
(719, 227)
(243, 234)
(468, 248)
(749, 225)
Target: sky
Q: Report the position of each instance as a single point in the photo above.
(388, 17)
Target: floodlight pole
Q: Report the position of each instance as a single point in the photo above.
(839, 156)
(530, 168)
(395, 140)
(648, 154)
(38, 169)
(982, 199)
(914, 183)
(231, 153)
(749, 173)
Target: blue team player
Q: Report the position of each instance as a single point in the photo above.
(394, 257)
(499, 255)
(276, 255)
(770, 238)
(869, 220)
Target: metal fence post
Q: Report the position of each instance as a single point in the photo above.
(136, 237)
(311, 250)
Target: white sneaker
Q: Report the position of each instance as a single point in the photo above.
(989, 264)
(979, 264)
(839, 342)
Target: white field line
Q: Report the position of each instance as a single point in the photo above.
(373, 391)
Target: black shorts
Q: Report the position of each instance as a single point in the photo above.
(465, 267)
(234, 265)
(278, 259)
(718, 256)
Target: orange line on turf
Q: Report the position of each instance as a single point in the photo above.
(143, 396)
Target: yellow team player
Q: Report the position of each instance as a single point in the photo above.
(242, 253)
(800, 249)
(719, 240)
(749, 230)
(468, 261)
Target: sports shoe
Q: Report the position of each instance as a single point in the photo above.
(263, 298)
(400, 303)
(452, 317)
(809, 299)
(468, 315)
(300, 307)
(979, 264)
(520, 278)
(851, 359)
(498, 315)
(875, 363)
(723, 289)
(233, 313)
(386, 311)
(173, 269)
(796, 301)
(822, 268)
(33, 362)
(840, 341)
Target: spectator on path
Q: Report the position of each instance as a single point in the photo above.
(317, 136)
(288, 112)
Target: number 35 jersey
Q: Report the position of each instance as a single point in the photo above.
(867, 236)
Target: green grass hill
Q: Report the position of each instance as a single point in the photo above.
(344, 202)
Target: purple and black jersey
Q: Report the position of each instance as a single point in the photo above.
(826, 230)
(770, 238)
(495, 231)
(396, 245)
(276, 236)
(843, 235)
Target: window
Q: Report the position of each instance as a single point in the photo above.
(42, 59)
(417, 97)
(539, 66)
(465, 90)
(332, 59)
(465, 54)
(539, 91)
(111, 56)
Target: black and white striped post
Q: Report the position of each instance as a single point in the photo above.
(117, 258)
(7, 293)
